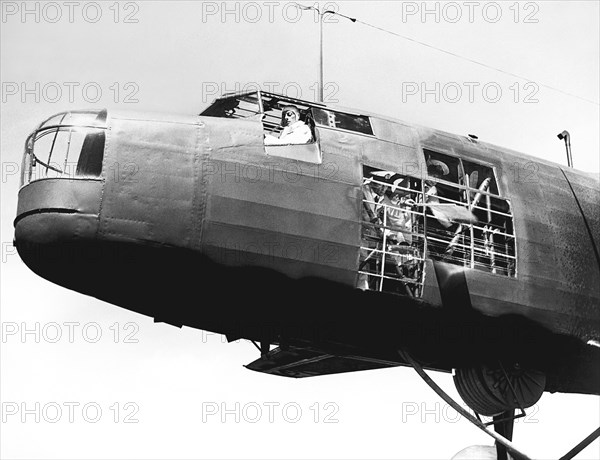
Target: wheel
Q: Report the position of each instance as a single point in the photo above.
(487, 388)
(472, 389)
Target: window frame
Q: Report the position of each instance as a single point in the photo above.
(511, 272)
(338, 128)
(307, 106)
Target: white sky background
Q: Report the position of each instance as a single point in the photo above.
(175, 57)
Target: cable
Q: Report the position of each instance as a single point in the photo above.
(515, 453)
(476, 62)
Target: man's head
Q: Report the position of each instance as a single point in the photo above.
(289, 115)
(437, 168)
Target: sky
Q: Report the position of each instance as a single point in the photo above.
(80, 378)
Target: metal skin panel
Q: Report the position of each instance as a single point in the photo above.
(588, 195)
(431, 288)
(150, 170)
(403, 157)
(295, 257)
(77, 195)
(556, 259)
(56, 228)
(297, 218)
(557, 270)
(55, 210)
(279, 219)
(572, 244)
(395, 132)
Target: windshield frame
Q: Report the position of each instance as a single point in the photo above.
(267, 101)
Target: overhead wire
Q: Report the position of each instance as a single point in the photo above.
(473, 61)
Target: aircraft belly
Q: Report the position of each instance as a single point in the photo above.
(558, 310)
(294, 256)
(52, 227)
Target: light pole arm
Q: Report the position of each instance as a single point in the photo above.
(567, 138)
(321, 15)
(320, 88)
(303, 7)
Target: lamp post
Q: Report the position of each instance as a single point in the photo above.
(321, 15)
(567, 138)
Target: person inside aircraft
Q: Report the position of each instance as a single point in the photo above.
(372, 195)
(397, 203)
(392, 240)
(295, 131)
(445, 216)
(435, 170)
(371, 231)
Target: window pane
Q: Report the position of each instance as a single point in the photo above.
(69, 144)
(475, 176)
(442, 166)
(358, 123)
(234, 107)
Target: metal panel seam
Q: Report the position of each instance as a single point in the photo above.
(199, 193)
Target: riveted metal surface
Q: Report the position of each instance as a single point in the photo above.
(78, 195)
(149, 167)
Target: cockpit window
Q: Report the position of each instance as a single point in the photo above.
(289, 130)
(288, 124)
(247, 105)
(238, 106)
(279, 112)
(69, 144)
(340, 120)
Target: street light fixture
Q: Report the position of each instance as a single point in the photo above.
(321, 15)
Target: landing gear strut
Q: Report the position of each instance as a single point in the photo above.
(507, 445)
(523, 385)
(497, 390)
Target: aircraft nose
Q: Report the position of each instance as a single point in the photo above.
(52, 210)
(56, 219)
(60, 178)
